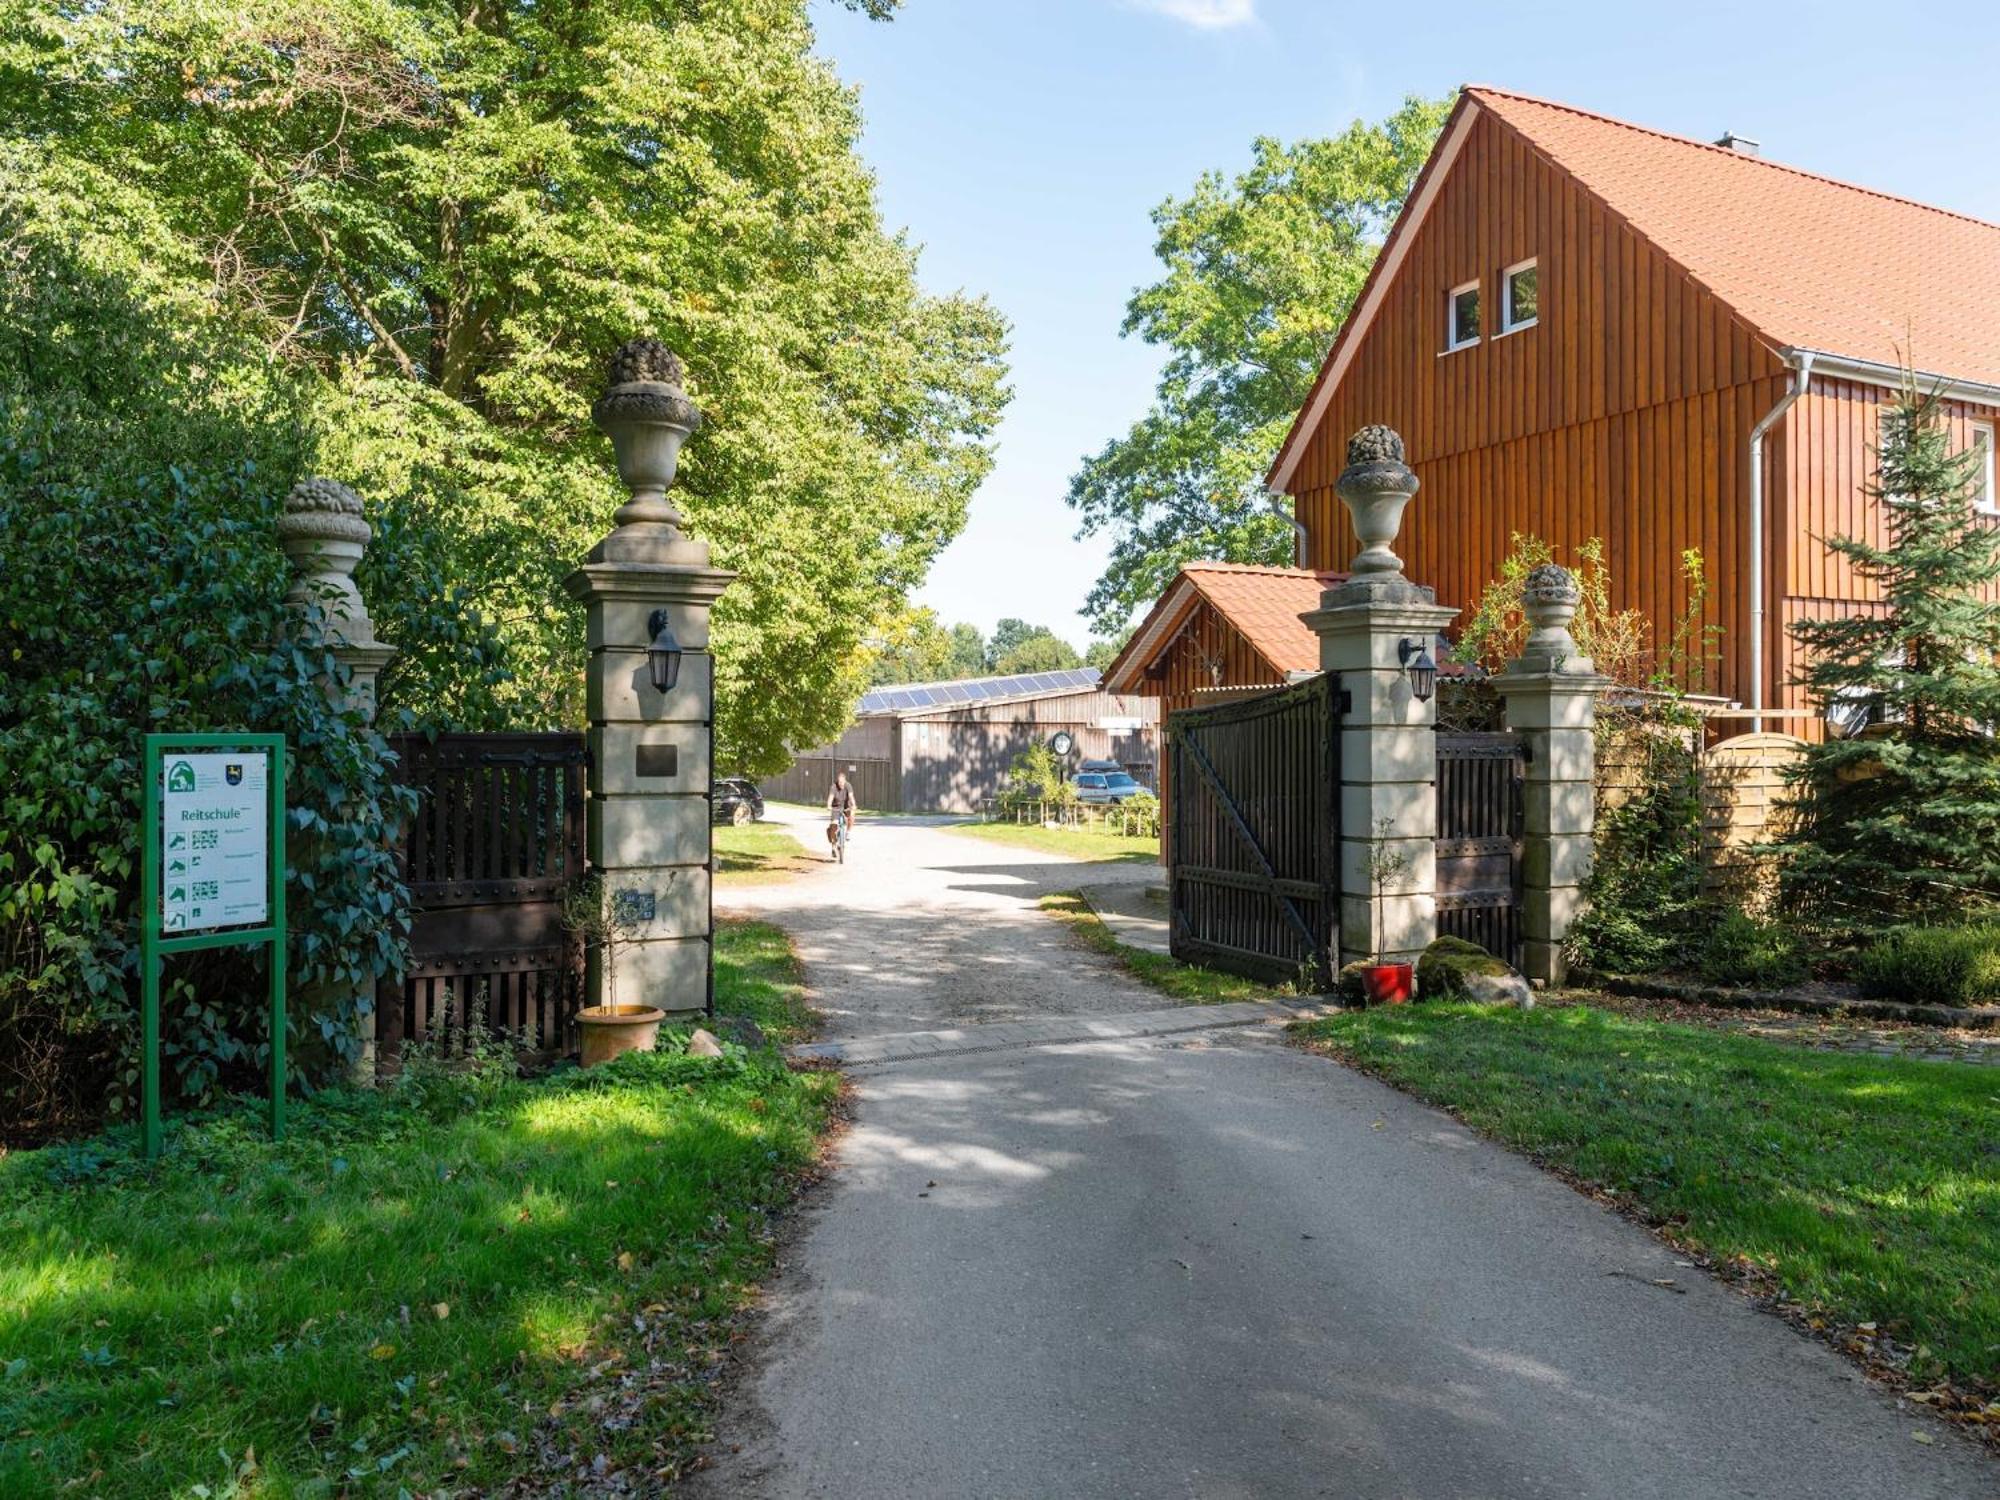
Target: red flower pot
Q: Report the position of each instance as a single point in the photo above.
(1388, 984)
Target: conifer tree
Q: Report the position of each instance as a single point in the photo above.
(1898, 821)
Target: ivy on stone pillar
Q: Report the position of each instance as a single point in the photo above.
(324, 536)
(1388, 740)
(651, 770)
(1551, 693)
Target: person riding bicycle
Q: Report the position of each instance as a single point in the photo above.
(840, 804)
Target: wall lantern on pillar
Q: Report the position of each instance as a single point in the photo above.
(663, 656)
(1420, 667)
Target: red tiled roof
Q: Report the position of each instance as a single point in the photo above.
(1263, 604)
(1809, 262)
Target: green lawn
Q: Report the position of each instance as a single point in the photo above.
(1866, 1188)
(1185, 982)
(1077, 843)
(446, 1289)
(758, 975)
(753, 853)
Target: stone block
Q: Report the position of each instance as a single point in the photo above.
(1558, 807)
(621, 752)
(1548, 913)
(621, 623)
(618, 688)
(648, 832)
(1407, 925)
(1420, 874)
(1411, 807)
(676, 895)
(1567, 707)
(1385, 754)
(671, 973)
(1544, 962)
(1361, 637)
(1557, 859)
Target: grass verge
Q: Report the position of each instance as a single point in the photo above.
(1185, 982)
(758, 853)
(462, 1284)
(757, 975)
(1076, 843)
(1863, 1192)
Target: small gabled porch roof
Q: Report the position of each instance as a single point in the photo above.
(1261, 604)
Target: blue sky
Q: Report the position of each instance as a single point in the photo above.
(1023, 144)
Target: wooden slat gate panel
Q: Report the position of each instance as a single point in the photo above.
(497, 834)
(1479, 819)
(1254, 833)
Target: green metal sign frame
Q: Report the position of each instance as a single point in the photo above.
(155, 942)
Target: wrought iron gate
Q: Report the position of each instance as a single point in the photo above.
(1479, 780)
(497, 834)
(1254, 836)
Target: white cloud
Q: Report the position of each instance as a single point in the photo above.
(1206, 15)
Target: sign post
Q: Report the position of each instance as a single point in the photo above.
(212, 875)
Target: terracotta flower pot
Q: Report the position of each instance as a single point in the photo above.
(607, 1030)
(1388, 984)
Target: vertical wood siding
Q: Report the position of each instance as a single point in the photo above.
(1623, 412)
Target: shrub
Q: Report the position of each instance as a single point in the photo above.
(1142, 816)
(1933, 965)
(1741, 950)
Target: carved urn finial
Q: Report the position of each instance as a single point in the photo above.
(647, 416)
(1375, 486)
(1549, 598)
(324, 535)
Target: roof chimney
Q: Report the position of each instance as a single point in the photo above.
(1741, 144)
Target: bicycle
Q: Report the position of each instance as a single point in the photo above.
(836, 834)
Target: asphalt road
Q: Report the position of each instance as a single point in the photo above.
(1219, 1267)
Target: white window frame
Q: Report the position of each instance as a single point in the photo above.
(1988, 502)
(1452, 343)
(1507, 275)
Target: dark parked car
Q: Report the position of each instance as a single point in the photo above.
(1106, 786)
(1107, 768)
(737, 800)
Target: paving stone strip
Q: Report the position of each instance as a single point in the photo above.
(904, 1046)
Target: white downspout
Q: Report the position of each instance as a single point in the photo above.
(1771, 418)
(1276, 500)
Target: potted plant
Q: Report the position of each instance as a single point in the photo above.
(1385, 983)
(591, 909)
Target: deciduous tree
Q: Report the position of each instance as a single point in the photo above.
(1260, 272)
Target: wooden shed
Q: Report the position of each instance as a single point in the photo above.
(946, 746)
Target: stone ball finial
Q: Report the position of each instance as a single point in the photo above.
(1550, 590)
(1375, 486)
(323, 509)
(646, 360)
(1375, 444)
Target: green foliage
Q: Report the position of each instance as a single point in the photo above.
(1041, 652)
(919, 648)
(145, 446)
(1933, 965)
(1621, 643)
(1644, 893)
(1141, 816)
(445, 218)
(1448, 962)
(1260, 272)
(1902, 824)
(401, 1294)
(1742, 950)
(1035, 776)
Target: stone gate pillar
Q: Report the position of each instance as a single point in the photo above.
(325, 535)
(1551, 691)
(646, 587)
(1371, 628)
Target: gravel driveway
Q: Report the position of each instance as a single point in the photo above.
(1210, 1265)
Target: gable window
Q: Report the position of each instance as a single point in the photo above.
(1985, 499)
(1462, 317)
(1520, 297)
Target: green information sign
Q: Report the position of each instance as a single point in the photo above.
(212, 876)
